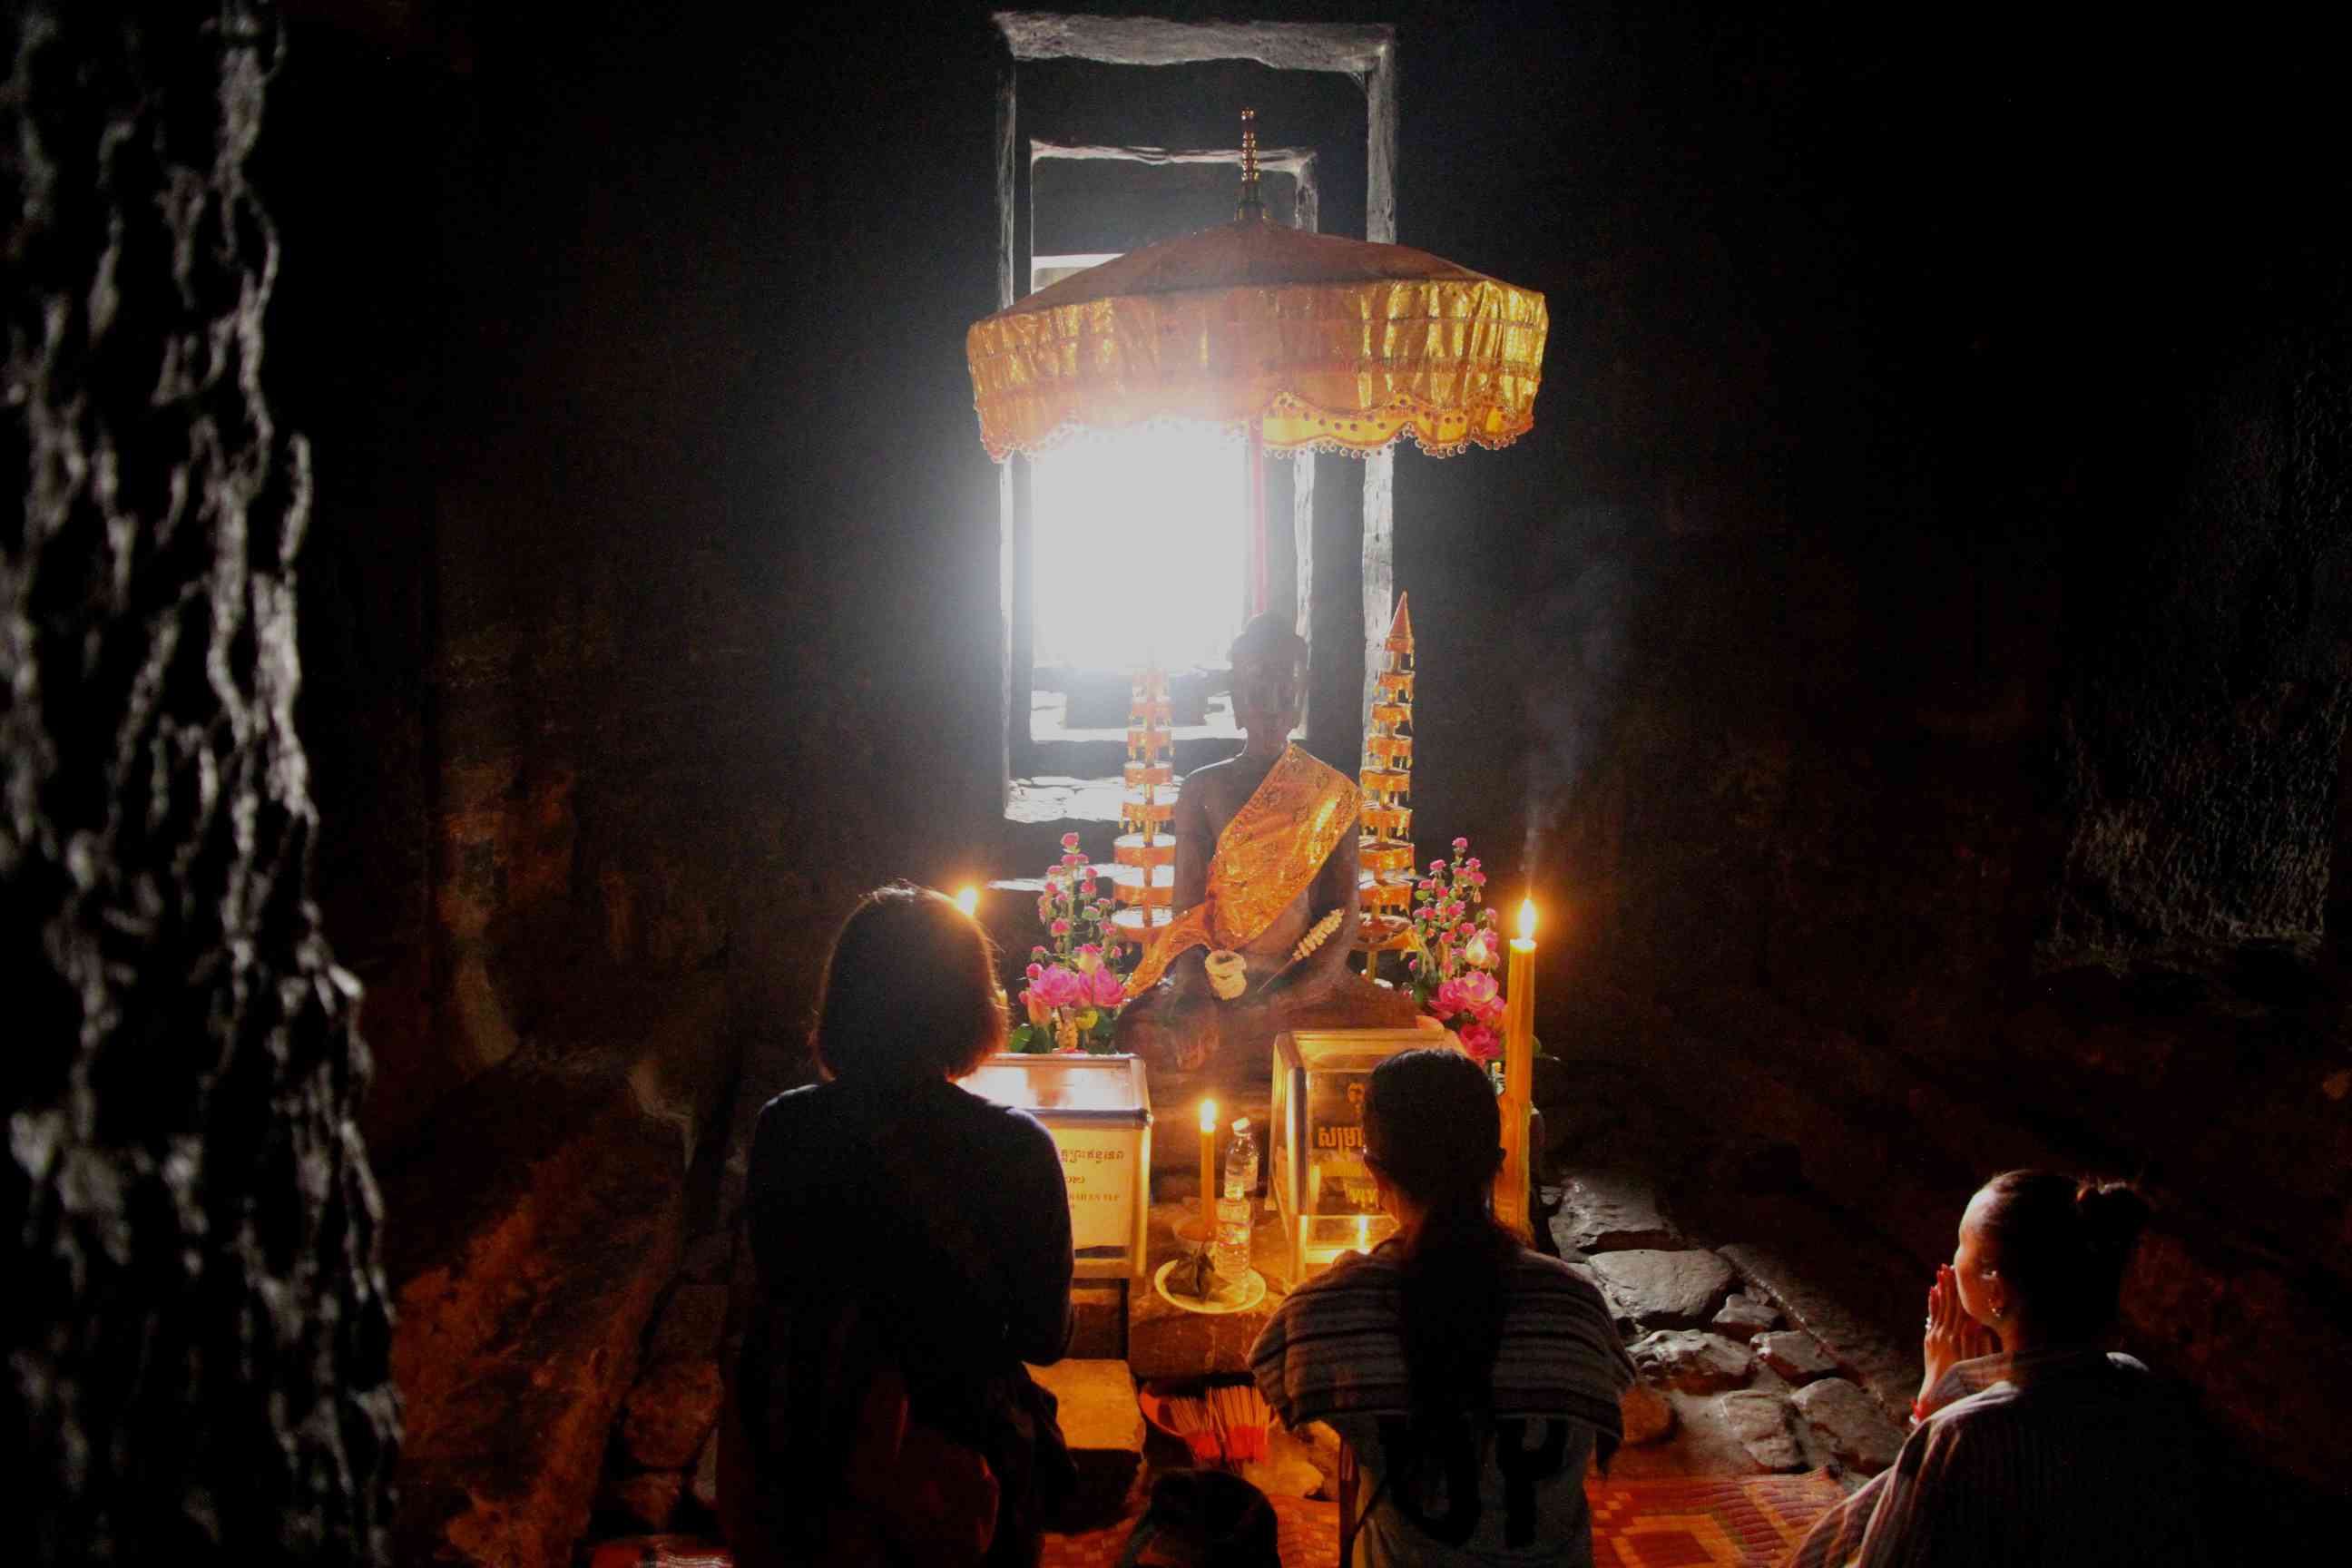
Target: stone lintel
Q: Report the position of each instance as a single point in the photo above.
(1351, 49)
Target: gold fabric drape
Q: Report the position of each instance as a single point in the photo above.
(1336, 345)
(1268, 855)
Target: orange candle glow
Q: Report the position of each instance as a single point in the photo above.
(1207, 1167)
(968, 898)
(1519, 1070)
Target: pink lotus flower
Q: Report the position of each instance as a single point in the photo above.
(1478, 991)
(1479, 949)
(1088, 958)
(1450, 999)
(1492, 1013)
(1109, 990)
(1059, 987)
(1482, 1043)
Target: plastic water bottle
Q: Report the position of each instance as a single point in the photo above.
(1230, 1254)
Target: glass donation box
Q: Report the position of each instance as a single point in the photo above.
(1322, 1190)
(1098, 1110)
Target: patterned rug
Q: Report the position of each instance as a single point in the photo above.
(1668, 1522)
(1682, 1521)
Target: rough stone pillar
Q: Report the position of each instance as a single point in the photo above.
(199, 1336)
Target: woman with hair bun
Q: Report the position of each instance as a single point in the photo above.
(1474, 1378)
(2031, 1444)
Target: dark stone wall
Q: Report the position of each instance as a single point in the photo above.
(1942, 646)
(199, 1361)
(654, 624)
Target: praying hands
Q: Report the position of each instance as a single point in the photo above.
(1950, 1335)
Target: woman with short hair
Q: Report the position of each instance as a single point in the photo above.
(1474, 1378)
(912, 1242)
(2031, 1444)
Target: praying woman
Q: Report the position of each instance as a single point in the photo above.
(2031, 1444)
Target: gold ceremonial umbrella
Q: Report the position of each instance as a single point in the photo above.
(1314, 342)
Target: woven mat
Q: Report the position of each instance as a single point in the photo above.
(1667, 1522)
(1680, 1521)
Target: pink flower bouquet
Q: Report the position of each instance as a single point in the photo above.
(1074, 989)
(1457, 947)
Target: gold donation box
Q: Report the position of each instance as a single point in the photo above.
(1098, 1110)
(1322, 1190)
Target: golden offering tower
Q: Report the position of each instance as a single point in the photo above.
(1144, 880)
(1384, 854)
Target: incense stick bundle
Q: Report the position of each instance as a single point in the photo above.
(1187, 1415)
(1239, 1415)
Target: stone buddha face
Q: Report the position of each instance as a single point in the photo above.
(1269, 682)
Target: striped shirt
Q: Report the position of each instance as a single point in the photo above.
(2066, 1457)
(1334, 1352)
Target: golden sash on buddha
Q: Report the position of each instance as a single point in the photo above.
(1267, 855)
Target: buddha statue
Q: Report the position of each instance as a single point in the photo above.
(1265, 894)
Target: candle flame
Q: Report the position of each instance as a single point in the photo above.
(1208, 1116)
(968, 898)
(1527, 920)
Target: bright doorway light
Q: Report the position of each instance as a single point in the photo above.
(1136, 539)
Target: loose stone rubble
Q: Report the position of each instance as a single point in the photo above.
(1660, 1289)
(1692, 1362)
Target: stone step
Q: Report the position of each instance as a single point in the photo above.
(1793, 1355)
(1850, 1424)
(1662, 1289)
(1742, 1316)
(1104, 1427)
(1761, 1424)
(1693, 1361)
(1611, 1211)
(1888, 1371)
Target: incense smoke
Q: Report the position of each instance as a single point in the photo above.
(1587, 583)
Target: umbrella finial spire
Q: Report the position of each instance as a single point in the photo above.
(1251, 206)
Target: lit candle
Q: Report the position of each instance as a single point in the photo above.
(1208, 1168)
(968, 899)
(1519, 1070)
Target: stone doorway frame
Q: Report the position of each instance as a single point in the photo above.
(1365, 51)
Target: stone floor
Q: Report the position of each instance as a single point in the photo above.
(1749, 1364)
(1771, 1335)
